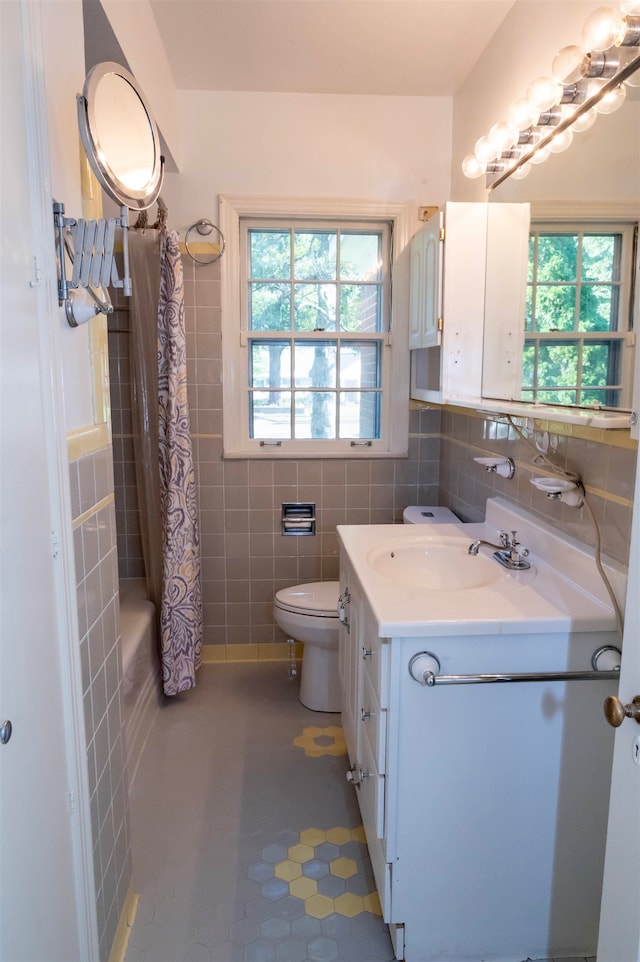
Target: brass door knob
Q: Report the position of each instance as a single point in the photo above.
(615, 712)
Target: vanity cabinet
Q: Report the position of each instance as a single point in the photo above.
(484, 806)
(464, 254)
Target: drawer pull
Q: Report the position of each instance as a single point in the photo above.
(367, 714)
(367, 652)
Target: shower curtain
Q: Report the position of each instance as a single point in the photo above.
(164, 461)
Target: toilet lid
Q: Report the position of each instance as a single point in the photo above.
(319, 597)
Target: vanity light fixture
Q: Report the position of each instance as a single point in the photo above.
(505, 467)
(584, 81)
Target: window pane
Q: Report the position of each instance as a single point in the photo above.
(360, 414)
(270, 364)
(314, 255)
(557, 364)
(532, 250)
(269, 307)
(270, 414)
(360, 307)
(598, 312)
(270, 253)
(528, 361)
(528, 320)
(555, 308)
(598, 364)
(315, 307)
(359, 365)
(360, 257)
(315, 414)
(315, 364)
(599, 257)
(557, 397)
(557, 257)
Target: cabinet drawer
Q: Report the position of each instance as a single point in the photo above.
(373, 722)
(375, 655)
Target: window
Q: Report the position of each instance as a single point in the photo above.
(311, 352)
(578, 345)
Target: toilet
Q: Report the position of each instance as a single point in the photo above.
(309, 613)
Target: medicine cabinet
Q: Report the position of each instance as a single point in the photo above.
(467, 302)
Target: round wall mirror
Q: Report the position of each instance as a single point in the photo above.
(120, 136)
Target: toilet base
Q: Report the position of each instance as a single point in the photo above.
(320, 679)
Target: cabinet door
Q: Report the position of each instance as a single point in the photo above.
(425, 301)
(348, 659)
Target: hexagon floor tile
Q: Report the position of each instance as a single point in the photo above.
(246, 849)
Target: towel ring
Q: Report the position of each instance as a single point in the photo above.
(204, 228)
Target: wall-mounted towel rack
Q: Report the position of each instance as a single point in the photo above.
(204, 227)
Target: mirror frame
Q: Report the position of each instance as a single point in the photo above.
(87, 121)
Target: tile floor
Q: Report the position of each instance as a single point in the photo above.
(248, 845)
(247, 840)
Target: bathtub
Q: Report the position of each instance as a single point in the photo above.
(141, 685)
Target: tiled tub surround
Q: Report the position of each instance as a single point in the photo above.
(245, 559)
(94, 527)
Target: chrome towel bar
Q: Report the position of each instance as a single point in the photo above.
(430, 679)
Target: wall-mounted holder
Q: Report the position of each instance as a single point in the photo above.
(298, 518)
(505, 467)
(559, 489)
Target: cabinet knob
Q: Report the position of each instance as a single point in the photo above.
(367, 652)
(367, 714)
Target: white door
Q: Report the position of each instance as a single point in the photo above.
(619, 939)
(45, 889)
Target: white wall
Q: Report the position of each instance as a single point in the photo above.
(62, 28)
(375, 148)
(602, 164)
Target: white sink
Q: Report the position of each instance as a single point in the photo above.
(444, 565)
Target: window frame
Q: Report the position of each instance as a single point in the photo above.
(236, 214)
(624, 334)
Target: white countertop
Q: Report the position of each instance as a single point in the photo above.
(562, 591)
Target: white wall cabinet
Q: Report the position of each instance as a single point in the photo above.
(467, 287)
(484, 806)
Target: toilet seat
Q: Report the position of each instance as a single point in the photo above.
(318, 599)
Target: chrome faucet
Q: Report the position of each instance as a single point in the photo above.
(510, 553)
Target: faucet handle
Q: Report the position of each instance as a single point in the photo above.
(504, 539)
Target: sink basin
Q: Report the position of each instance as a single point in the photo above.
(435, 566)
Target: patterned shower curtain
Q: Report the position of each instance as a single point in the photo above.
(181, 606)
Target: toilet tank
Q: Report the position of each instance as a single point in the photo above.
(428, 514)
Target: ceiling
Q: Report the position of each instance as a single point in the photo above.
(385, 47)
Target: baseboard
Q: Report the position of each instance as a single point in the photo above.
(279, 651)
(125, 924)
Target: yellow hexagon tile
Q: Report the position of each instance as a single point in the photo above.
(372, 903)
(288, 870)
(319, 906)
(339, 836)
(358, 835)
(303, 888)
(349, 904)
(313, 837)
(307, 741)
(300, 853)
(343, 867)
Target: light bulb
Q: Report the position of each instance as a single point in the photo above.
(561, 141)
(612, 101)
(585, 121)
(484, 150)
(603, 29)
(503, 136)
(541, 155)
(543, 93)
(472, 168)
(522, 114)
(629, 7)
(522, 172)
(568, 65)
